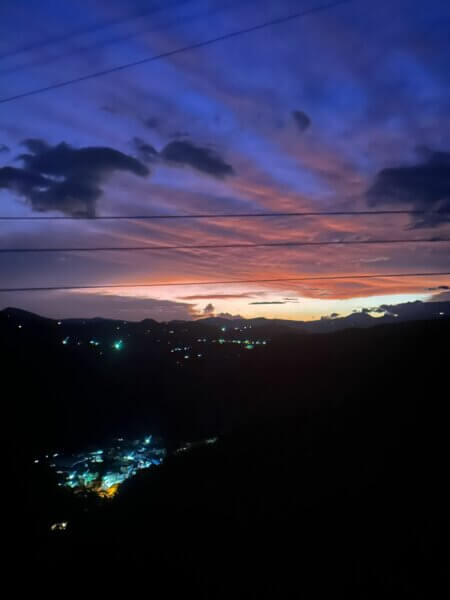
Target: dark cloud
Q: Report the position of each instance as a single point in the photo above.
(301, 120)
(146, 152)
(183, 152)
(151, 123)
(439, 287)
(417, 310)
(64, 178)
(20, 180)
(405, 309)
(209, 309)
(328, 317)
(226, 315)
(4, 148)
(424, 186)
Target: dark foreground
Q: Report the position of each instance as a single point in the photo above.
(329, 477)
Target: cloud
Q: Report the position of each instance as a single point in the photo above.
(328, 317)
(79, 305)
(225, 315)
(20, 180)
(146, 152)
(209, 309)
(205, 160)
(439, 287)
(65, 178)
(152, 123)
(405, 309)
(218, 296)
(301, 120)
(375, 259)
(442, 297)
(424, 186)
(4, 148)
(270, 302)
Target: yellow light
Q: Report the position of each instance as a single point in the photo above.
(109, 492)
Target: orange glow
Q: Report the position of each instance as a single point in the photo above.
(109, 492)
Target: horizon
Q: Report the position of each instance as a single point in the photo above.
(377, 311)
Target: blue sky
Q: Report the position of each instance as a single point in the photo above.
(371, 80)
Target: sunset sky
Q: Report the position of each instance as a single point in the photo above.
(345, 109)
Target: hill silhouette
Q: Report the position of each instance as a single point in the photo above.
(329, 472)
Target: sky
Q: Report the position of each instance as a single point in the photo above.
(345, 109)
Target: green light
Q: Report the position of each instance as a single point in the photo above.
(249, 346)
(118, 345)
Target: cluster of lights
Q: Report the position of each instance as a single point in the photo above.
(117, 345)
(59, 526)
(189, 445)
(248, 344)
(102, 471)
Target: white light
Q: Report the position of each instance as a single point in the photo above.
(61, 526)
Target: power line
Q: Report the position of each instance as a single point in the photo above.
(224, 246)
(89, 29)
(122, 38)
(169, 53)
(226, 282)
(329, 213)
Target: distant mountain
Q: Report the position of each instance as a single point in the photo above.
(408, 311)
(23, 315)
(396, 313)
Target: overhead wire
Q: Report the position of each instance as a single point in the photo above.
(327, 213)
(225, 246)
(179, 50)
(224, 282)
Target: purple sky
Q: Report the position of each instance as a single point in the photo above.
(347, 109)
